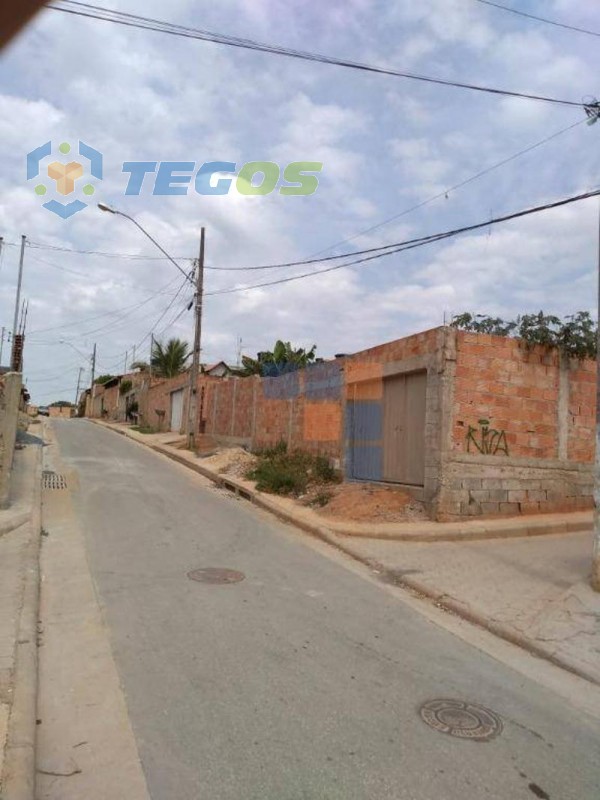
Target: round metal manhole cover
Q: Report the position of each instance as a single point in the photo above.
(216, 575)
(464, 720)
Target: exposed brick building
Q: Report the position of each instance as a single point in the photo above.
(472, 424)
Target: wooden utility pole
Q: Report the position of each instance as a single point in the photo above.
(596, 552)
(195, 368)
(15, 338)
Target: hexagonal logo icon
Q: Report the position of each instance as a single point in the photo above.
(62, 176)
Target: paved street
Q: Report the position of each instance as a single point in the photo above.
(303, 681)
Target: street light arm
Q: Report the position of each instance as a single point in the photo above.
(104, 207)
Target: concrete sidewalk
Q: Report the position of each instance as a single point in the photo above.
(528, 582)
(534, 592)
(19, 586)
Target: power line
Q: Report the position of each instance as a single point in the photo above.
(380, 252)
(114, 312)
(148, 23)
(539, 19)
(456, 186)
(132, 256)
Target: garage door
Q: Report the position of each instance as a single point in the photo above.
(177, 410)
(404, 428)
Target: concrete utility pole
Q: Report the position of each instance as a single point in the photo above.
(18, 298)
(125, 367)
(193, 394)
(78, 385)
(596, 552)
(151, 351)
(92, 381)
(2, 343)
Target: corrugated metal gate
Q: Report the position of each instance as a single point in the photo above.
(386, 435)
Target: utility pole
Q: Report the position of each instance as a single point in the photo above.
(151, 351)
(596, 552)
(239, 352)
(92, 382)
(18, 299)
(78, 385)
(193, 394)
(125, 367)
(2, 343)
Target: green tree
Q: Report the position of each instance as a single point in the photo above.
(170, 359)
(282, 358)
(103, 378)
(575, 336)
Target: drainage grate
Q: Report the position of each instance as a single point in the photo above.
(216, 575)
(53, 480)
(464, 720)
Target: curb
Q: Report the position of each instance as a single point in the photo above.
(578, 521)
(441, 600)
(19, 759)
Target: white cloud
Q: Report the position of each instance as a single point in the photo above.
(386, 144)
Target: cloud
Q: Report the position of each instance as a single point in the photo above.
(386, 144)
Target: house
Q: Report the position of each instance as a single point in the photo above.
(218, 370)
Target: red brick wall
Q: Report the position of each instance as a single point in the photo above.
(517, 390)
(158, 398)
(418, 344)
(582, 411)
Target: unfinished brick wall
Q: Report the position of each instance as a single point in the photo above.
(515, 389)
(302, 408)
(523, 433)
(581, 411)
(507, 430)
(155, 397)
(365, 374)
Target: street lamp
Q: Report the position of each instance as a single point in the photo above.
(199, 288)
(111, 210)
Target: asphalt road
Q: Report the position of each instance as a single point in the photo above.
(303, 682)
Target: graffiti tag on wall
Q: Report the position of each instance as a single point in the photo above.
(486, 440)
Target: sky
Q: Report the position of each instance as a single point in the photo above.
(387, 145)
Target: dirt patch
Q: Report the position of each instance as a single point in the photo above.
(367, 502)
(230, 461)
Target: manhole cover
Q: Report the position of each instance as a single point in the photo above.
(52, 480)
(216, 575)
(464, 720)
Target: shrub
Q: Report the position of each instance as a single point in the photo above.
(281, 472)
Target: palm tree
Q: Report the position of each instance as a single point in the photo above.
(170, 359)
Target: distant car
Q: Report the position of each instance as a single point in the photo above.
(44, 411)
